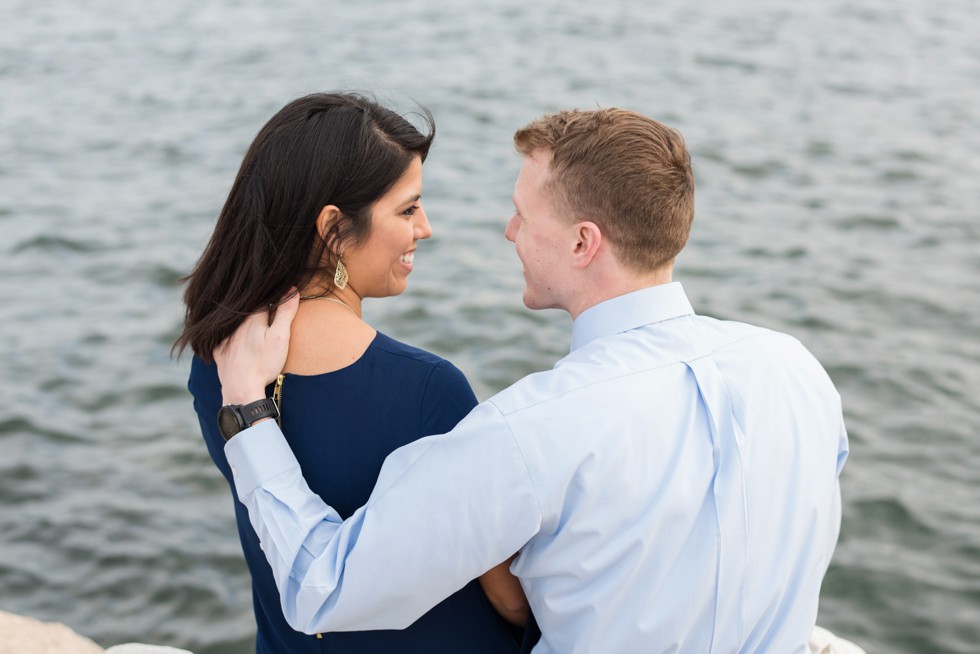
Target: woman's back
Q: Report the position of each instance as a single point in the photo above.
(327, 201)
(342, 425)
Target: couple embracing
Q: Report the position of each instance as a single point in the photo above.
(671, 485)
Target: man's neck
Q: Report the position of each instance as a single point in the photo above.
(615, 286)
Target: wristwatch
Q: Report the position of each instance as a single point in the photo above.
(233, 418)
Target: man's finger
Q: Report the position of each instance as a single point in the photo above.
(240, 332)
(286, 311)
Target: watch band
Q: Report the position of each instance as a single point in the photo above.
(264, 408)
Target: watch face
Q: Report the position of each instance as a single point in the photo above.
(228, 422)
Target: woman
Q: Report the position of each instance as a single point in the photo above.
(328, 200)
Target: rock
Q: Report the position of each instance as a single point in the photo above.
(823, 641)
(22, 635)
(140, 648)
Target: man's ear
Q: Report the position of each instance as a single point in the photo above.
(587, 240)
(328, 217)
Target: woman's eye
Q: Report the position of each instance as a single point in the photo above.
(411, 210)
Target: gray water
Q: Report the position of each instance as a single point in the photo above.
(837, 157)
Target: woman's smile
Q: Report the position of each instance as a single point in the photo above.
(380, 266)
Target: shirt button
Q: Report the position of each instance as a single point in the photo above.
(260, 547)
(234, 471)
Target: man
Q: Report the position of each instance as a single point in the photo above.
(671, 485)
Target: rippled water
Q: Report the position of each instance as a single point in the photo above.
(837, 157)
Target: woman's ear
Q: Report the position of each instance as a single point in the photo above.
(328, 217)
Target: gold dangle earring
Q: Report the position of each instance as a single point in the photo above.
(340, 276)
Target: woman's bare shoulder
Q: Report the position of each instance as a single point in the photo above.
(326, 341)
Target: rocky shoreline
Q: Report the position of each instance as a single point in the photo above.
(23, 635)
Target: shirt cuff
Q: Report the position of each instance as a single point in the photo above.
(258, 454)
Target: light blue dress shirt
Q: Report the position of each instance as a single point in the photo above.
(671, 485)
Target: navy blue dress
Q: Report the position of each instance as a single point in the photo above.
(342, 425)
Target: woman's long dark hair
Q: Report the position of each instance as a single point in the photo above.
(328, 148)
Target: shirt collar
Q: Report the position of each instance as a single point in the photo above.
(626, 312)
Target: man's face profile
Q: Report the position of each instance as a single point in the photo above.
(539, 235)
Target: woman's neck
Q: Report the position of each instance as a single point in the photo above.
(326, 335)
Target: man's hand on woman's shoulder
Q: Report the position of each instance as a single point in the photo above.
(254, 355)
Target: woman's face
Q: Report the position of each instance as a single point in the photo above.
(380, 266)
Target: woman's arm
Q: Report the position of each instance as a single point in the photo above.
(505, 593)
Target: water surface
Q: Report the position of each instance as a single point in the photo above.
(837, 158)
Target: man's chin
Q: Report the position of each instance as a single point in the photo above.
(534, 303)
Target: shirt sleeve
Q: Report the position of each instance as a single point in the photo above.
(444, 510)
(843, 448)
(836, 507)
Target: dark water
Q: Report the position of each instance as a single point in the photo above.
(837, 155)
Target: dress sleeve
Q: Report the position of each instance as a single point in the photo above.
(446, 400)
(445, 509)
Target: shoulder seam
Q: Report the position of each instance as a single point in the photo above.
(404, 355)
(425, 391)
(636, 372)
(520, 450)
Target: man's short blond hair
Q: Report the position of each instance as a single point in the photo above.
(628, 174)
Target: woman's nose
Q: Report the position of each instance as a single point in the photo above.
(422, 227)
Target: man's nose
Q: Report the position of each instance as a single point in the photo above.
(511, 230)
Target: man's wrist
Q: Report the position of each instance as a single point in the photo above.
(234, 418)
(242, 395)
